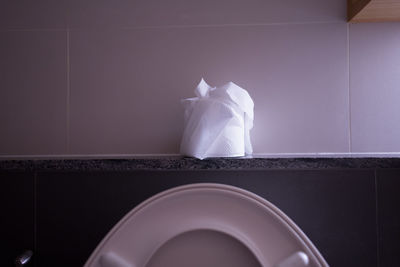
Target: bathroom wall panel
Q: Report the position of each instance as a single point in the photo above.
(102, 14)
(38, 14)
(126, 85)
(335, 208)
(388, 188)
(17, 215)
(33, 94)
(374, 86)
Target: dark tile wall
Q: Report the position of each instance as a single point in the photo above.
(388, 191)
(335, 208)
(17, 215)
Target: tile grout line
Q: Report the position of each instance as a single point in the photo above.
(171, 26)
(34, 217)
(68, 93)
(221, 25)
(345, 155)
(349, 88)
(377, 218)
(34, 30)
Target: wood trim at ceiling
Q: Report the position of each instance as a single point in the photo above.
(354, 7)
(373, 10)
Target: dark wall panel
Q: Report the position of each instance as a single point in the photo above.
(17, 215)
(335, 208)
(388, 185)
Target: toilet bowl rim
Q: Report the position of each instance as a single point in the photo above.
(217, 186)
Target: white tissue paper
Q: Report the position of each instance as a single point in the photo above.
(217, 122)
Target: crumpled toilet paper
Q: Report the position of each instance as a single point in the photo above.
(217, 122)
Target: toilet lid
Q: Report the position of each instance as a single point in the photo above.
(222, 213)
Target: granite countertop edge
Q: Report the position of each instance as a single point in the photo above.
(186, 163)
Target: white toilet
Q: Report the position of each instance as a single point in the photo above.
(205, 225)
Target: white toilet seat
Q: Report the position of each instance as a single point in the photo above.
(265, 230)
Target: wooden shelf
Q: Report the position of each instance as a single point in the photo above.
(373, 10)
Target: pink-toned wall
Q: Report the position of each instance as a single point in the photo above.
(105, 78)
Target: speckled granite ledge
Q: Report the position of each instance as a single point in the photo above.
(195, 164)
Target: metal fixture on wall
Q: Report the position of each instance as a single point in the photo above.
(24, 258)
